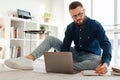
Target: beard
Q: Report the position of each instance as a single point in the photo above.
(79, 22)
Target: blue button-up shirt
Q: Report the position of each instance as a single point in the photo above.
(90, 37)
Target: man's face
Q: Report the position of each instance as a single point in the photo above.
(78, 15)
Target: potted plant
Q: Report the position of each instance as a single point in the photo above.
(42, 31)
(47, 16)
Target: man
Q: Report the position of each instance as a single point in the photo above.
(92, 50)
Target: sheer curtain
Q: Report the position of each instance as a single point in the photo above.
(118, 20)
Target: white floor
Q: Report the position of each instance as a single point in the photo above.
(39, 73)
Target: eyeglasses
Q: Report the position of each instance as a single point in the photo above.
(78, 15)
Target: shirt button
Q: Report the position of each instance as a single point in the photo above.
(88, 37)
(80, 45)
(80, 37)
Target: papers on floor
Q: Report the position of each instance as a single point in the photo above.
(92, 73)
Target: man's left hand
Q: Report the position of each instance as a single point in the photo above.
(102, 68)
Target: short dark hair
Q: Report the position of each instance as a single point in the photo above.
(75, 4)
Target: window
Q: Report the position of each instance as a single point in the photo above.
(103, 12)
(118, 19)
(108, 16)
(118, 8)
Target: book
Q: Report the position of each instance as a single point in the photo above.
(2, 31)
(91, 73)
(0, 48)
(15, 51)
(13, 32)
(116, 69)
(2, 51)
(115, 73)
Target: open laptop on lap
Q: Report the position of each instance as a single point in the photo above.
(59, 62)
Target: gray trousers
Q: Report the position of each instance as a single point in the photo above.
(81, 60)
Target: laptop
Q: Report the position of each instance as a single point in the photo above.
(59, 62)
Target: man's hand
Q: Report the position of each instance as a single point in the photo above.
(102, 68)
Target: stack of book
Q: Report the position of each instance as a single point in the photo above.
(15, 51)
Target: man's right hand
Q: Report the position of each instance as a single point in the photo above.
(102, 68)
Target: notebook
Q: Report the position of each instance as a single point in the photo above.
(116, 70)
(91, 73)
(59, 62)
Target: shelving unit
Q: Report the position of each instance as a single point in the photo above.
(4, 38)
(19, 43)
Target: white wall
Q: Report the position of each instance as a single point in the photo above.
(58, 12)
(34, 6)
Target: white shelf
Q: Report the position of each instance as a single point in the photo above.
(15, 35)
(16, 39)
